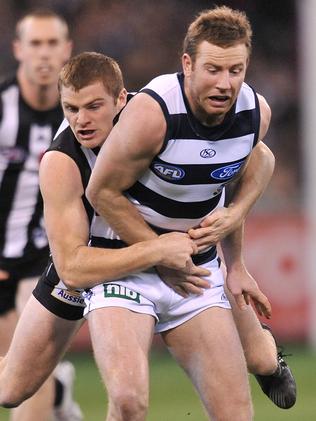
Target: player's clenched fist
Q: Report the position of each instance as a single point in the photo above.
(176, 249)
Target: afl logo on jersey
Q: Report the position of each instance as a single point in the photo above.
(168, 172)
(225, 173)
(207, 153)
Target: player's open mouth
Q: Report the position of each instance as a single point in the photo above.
(218, 100)
(86, 134)
(44, 69)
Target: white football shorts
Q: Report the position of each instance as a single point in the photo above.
(146, 293)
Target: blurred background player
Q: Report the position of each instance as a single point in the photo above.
(29, 117)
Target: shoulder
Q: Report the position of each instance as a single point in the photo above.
(247, 98)
(64, 125)
(164, 87)
(166, 90)
(8, 82)
(66, 144)
(142, 120)
(64, 139)
(59, 173)
(265, 116)
(63, 146)
(265, 109)
(163, 83)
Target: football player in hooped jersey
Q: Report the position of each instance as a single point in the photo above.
(30, 114)
(164, 167)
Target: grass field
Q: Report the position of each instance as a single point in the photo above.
(173, 398)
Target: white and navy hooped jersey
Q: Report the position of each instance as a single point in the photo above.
(25, 134)
(185, 181)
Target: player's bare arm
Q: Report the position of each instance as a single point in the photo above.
(248, 188)
(238, 280)
(126, 154)
(67, 225)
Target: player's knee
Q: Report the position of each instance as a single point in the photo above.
(130, 404)
(261, 363)
(12, 396)
(238, 409)
(10, 400)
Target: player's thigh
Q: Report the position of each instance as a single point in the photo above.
(24, 291)
(8, 322)
(208, 348)
(39, 342)
(121, 340)
(8, 314)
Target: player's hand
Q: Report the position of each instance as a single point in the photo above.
(245, 289)
(184, 284)
(4, 275)
(215, 227)
(176, 249)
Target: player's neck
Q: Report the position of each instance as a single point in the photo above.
(39, 97)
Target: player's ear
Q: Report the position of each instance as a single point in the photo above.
(187, 64)
(16, 48)
(122, 98)
(68, 50)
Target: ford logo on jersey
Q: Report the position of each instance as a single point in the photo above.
(225, 173)
(168, 172)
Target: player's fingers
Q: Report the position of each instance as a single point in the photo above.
(210, 220)
(197, 281)
(196, 233)
(262, 305)
(266, 310)
(259, 308)
(246, 297)
(191, 288)
(179, 290)
(198, 270)
(205, 242)
(195, 248)
(264, 302)
(240, 301)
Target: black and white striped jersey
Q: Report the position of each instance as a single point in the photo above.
(185, 181)
(25, 134)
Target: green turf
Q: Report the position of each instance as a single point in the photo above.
(173, 398)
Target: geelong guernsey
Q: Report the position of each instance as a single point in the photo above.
(25, 134)
(185, 181)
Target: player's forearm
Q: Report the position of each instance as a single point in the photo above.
(90, 266)
(121, 215)
(253, 181)
(232, 246)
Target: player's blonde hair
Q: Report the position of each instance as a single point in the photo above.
(221, 26)
(89, 67)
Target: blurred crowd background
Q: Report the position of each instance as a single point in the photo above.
(145, 37)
